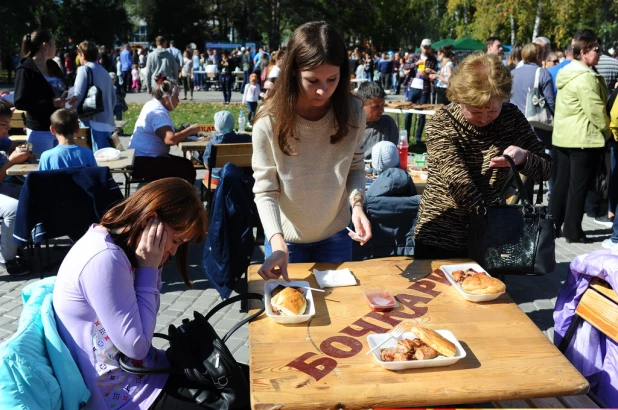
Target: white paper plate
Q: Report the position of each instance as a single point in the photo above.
(106, 154)
(309, 311)
(375, 339)
(448, 272)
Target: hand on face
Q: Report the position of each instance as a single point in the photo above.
(151, 247)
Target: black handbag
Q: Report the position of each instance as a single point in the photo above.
(215, 380)
(513, 239)
(93, 101)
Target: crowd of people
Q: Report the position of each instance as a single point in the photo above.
(311, 138)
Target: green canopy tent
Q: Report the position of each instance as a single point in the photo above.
(469, 43)
(442, 43)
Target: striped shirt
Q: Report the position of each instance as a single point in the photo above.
(458, 156)
(608, 68)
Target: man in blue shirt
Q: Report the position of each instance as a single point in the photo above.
(126, 61)
(64, 124)
(553, 71)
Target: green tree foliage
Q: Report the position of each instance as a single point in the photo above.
(184, 21)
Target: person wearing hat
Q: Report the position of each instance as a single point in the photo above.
(224, 127)
(391, 206)
(378, 127)
(418, 84)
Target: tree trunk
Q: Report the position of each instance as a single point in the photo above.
(537, 20)
(465, 16)
(274, 39)
(512, 20)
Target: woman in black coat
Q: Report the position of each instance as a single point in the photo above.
(39, 88)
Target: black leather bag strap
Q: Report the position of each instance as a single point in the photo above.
(520, 185)
(124, 360)
(232, 300)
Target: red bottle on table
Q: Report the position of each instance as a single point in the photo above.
(402, 147)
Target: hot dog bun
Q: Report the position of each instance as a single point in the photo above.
(436, 341)
(289, 302)
(483, 285)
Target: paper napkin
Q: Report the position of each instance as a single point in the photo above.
(334, 278)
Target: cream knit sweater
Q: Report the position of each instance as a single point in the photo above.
(306, 197)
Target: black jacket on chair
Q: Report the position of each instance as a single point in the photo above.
(63, 202)
(229, 243)
(391, 205)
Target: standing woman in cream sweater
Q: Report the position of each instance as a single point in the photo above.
(308, 156)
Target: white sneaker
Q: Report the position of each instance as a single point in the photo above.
(608, 244)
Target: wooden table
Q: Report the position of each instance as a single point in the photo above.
(420, 183)
(321, 364)
(122, 165)
(189, 146)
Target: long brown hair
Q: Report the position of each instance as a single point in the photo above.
(176, 204)
(311, 45)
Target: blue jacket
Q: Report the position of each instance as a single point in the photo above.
(63, 202)
(391, 205)
(229, 243)
(36, 368)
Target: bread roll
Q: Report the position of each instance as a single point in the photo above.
(483, 285)
(289, 302)
(436, 341)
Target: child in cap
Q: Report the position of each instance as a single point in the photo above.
(251, 96)
(384, 155)
(224, 127)
(64, 125)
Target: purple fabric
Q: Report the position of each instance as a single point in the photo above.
(591, 352)
(103, 306)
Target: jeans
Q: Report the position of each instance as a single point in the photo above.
(337, 248)
(118, 112)
(251, 108)
(196, 78)
(613, 178)
(614, 237)
(187, 85)
(385, 81)
(41, 141)
(416, 95)
(9, 195)
(226, 85)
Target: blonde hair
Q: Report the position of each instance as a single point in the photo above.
(531, 53)
(479, 79)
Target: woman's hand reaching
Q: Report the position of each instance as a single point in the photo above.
(277, 263)
(519, 156)
(151, 246)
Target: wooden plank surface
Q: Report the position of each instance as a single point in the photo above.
(600, 312)
(322, 363)
(239, 154)
(604, 288)
(121, 165)
(579, 402)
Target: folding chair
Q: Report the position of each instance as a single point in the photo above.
(238, 154)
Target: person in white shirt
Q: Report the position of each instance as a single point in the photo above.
(251, 96)
(154, 133)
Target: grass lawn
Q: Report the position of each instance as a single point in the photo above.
(192, 113)
(203, 113)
